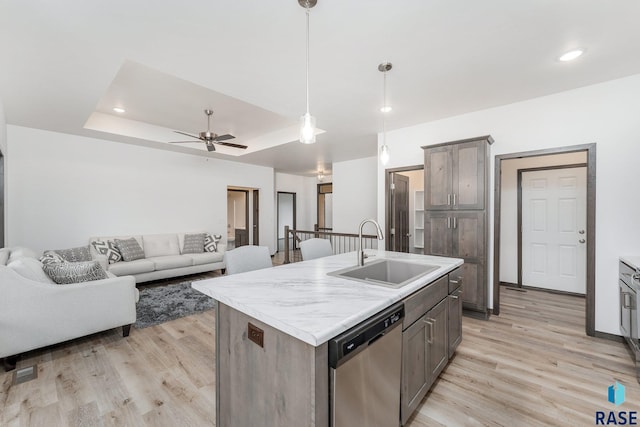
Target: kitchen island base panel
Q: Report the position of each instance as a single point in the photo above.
(285, 382)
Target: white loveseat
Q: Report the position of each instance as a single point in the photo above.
(35, 312)
(163, 258)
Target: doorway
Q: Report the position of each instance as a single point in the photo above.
(325, 207)
(237, 218)
(552, 217)
(243, 216)
(404, 200)
(286, 216)
(506, 233)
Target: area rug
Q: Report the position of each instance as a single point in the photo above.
(160, 304)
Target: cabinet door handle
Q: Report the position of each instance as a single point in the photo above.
(455, 282)
(430, 323)
(454, 199)
(449, 199)
(455, 222)
(454, 296)
(448, 222)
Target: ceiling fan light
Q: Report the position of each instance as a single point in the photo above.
(307, 129)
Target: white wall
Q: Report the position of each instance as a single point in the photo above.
(606, 114)
(3, 149)
(306, 197)
(3, 130)
(509, 206)
(65, 188)
(354, 194)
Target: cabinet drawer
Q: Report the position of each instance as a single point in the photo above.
(455, 279)
(416, 305)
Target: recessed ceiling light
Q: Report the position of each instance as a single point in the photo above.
(571, 55)
(385, 109)
(119, 110)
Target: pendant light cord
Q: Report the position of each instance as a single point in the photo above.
(307, 60)
(384, 106)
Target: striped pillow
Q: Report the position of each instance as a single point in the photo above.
(129, 249)
(193, 243)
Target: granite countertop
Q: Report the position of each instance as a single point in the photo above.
(301, 300)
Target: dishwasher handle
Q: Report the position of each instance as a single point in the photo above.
(356, 339)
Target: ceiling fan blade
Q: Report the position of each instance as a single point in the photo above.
(231, 144)
(224, 137)
(186, 134)
(184, 142)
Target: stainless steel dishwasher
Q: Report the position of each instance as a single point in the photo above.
(365, 368)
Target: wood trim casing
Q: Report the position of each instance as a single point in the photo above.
(590, 149)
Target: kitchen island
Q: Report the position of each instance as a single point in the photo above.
(273, 328)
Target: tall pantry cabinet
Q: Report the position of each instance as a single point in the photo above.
(456, 199)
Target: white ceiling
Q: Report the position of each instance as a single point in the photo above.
(63, 63)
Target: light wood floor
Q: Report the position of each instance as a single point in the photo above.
(530, 366)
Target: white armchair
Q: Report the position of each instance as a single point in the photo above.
(35, 314)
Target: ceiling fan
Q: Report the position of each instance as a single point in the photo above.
(210, 138)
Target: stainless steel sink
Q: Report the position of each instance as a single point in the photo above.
(386, 272)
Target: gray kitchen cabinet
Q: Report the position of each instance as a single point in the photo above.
(455, 176)
(461, 235)
(456, 221)
(425, 343)
(454, 300)
(437, 342)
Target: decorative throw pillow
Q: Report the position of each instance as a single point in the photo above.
(78, 254)
(129, 249)
(64, 273)
(50, 257)
(108, 249)
(193, 243)
(211, 242)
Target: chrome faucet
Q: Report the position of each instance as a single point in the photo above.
(361, 255)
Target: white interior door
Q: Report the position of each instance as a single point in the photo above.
(554, 229)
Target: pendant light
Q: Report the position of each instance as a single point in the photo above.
(307, 121)
(384, 149)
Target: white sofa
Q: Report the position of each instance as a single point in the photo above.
(163, 258)
(35, 312)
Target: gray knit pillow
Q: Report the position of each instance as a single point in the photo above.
(75, 254)
(64, 273)
(129, 249)
(193, 243)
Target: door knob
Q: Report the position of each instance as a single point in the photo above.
(581, 240)
(581, 232)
